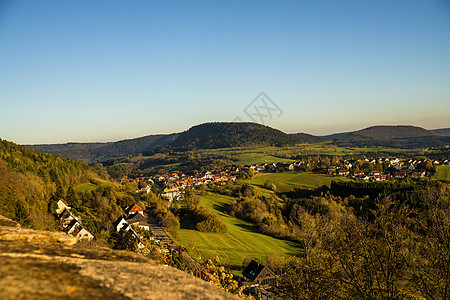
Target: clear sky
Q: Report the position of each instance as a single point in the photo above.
(108, 70)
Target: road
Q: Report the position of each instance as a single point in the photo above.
(165, 240)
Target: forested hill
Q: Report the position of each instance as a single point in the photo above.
(30, 180)
(390, 132)
(308, 138)
(392, 136)
(442, 131)
(232, 134)
(94, 152)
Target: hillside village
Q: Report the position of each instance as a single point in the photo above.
(142, 228)
(172, 186)
(71, 223)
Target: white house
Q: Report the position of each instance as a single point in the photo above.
(138, 220)
(121, 224)
(62, 205)
(83, 235)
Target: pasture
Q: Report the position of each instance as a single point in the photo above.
(240, 242)
(286, 181)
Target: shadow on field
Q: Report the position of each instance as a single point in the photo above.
(251, 228)
(224, 208)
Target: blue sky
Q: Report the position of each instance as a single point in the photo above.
(108, 70)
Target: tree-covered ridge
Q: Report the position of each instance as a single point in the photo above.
(392, 136)
(30, 180)
(93, 152)
(239, 134)
(388, 132)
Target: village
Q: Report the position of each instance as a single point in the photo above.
(135, 220)
(172, 186)
(142, 228)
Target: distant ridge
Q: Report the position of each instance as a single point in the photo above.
(308, 138)
(94, 152)
(390, 132)
(443, 131)
(245, 134)
(400, 136)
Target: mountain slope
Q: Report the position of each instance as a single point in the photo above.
(442, 131)
(308, 138)
(94, 152)
(392, 136)
(30, 181)
(231, 134)
(390, 132)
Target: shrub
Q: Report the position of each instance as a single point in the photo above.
(212, 223)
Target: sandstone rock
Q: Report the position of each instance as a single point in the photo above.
(47, 265)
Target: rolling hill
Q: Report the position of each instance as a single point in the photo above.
(242, 134)
(236, 134)
(94, 152)
(442, 131)
(308, 138)
(401, 136)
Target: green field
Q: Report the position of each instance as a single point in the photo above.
(241, 241)
(88, 187)
(259, 158)
(442, 172)
(286, 181)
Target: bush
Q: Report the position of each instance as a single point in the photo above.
(212, 223)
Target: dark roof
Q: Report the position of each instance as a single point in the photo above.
(253, 269)
(137, 218)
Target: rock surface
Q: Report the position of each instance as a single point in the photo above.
(47, 265)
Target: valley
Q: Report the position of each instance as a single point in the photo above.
(276, 200)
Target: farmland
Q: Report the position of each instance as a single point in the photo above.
(240, 242)
(286, 181)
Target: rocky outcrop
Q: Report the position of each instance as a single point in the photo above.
(49, 265)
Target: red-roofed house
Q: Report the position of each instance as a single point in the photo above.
(62, 205)
(134, 208)
(343, 172)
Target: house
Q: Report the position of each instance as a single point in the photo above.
(76, 229)
(289, 167)
(66, 218)
(331, 171)
(62, 205)
(343, 172)
(403, 173)
(362, 177)
(82, 234)
(134, 208)
(418, 173)
(358, 172)
(259, 274)
(137, 219)
(171, 194)
(121, 223)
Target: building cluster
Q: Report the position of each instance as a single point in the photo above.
(395, 168)
(172, 186)
(72, 224)
(134, 216)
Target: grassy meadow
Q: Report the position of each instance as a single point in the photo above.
(88, 187)
(285, 181)
(240, 242)
(442, 173)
